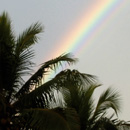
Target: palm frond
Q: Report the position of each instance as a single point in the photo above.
(6, 32)
(35, 79)
(40, 97)
(23, 51)
(87, 105)
(58, 61)
(108, 99)
(46, 91)
(15, 55)
(28, 38)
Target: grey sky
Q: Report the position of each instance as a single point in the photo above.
(108, 57)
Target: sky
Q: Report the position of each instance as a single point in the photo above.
(97, 32)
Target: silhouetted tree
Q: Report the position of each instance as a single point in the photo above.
(64, 102)
(16, 96)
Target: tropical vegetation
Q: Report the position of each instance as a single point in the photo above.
(65, 102)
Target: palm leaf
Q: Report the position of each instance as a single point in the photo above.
(28, 38)
(39, 74)
(6, 32)
(15, 54)
(81, 100)
(23, 51)
(108, 99)
(42, 94)
(46, 91)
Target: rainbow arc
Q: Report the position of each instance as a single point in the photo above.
(88, 26)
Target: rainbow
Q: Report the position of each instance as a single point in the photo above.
(88, 26)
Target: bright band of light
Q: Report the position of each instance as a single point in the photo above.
(89, 25)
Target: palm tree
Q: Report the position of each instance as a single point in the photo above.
(52, 106)
(18, 98)
(64, 102)
(79, 96)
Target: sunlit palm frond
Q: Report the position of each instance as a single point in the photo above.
(108, 99)
(37, 77)
(40, 97)
(45, 91)
(53, 64)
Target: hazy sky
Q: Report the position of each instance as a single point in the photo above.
(108, 54)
